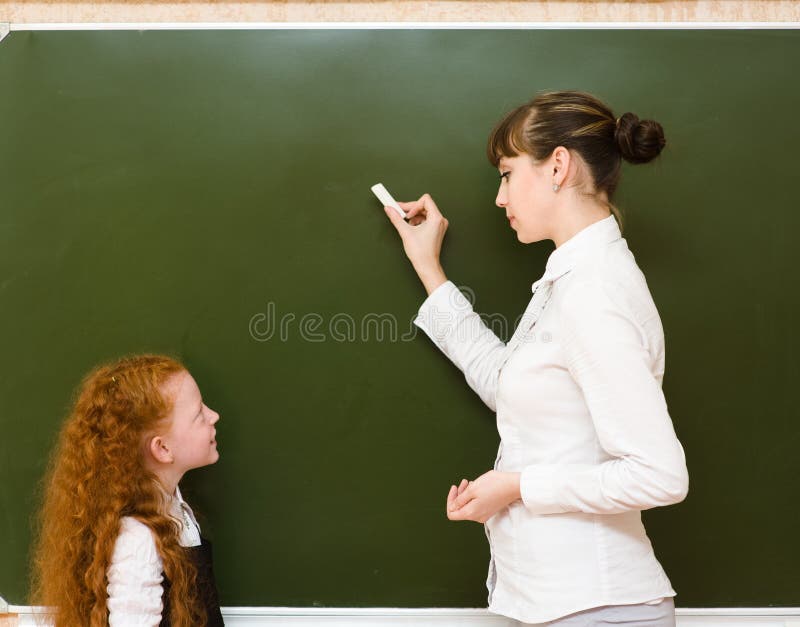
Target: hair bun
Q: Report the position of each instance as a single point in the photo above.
(639, 141)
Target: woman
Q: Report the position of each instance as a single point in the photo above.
(586, 439)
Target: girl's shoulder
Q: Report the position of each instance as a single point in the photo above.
(134, 526)
(135, 542)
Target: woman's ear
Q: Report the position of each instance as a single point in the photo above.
(159, 450)
(561, 160)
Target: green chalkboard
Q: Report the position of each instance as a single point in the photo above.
(206, 194)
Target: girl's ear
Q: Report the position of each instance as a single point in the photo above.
(158, 448)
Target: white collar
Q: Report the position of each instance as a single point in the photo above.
(189, 529)
(590, 239)
(178, 495)
(181, 511)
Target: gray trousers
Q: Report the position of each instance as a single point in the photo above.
(639, 615)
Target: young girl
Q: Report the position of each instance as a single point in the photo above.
(117, 544)
(586, 439)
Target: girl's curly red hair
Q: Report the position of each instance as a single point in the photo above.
(95, 477)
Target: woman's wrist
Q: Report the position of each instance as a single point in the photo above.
(513, 482)
(432, 277)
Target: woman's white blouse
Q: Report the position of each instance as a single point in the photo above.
(582, 416)
(135, 572)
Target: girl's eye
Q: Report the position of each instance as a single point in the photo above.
(504, 175)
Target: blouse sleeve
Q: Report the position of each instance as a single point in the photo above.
(607, 355)
(134, 578)
(447, 318)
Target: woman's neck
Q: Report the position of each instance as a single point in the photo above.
(577, 216)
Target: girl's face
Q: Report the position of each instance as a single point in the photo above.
(526, 194)
(191, 438)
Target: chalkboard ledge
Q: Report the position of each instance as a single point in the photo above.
(25, 616)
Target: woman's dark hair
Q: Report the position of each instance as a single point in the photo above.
(577, 121)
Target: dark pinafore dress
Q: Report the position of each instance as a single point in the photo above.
(201, 557)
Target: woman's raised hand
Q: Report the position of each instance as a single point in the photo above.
(422, 238)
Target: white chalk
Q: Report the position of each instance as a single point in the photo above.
(386, 198)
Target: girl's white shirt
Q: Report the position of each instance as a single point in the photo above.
(135, 573)
(582, 416)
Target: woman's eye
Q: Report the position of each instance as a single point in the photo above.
(504, 175)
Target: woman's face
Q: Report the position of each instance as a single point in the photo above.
(526, 194)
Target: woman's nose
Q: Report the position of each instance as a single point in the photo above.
(214, 416)
(501, 200)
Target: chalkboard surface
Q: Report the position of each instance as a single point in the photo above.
(206, 194)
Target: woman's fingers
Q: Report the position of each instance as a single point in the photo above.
(421, 210)
(460, 502)
(451, 497)
(428, 204)
(412, 209)
(464, 497)
(462, 513)
(424, 205)
(396, 220)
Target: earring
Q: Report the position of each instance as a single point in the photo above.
(556, 187)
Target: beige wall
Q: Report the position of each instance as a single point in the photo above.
(403, 10)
